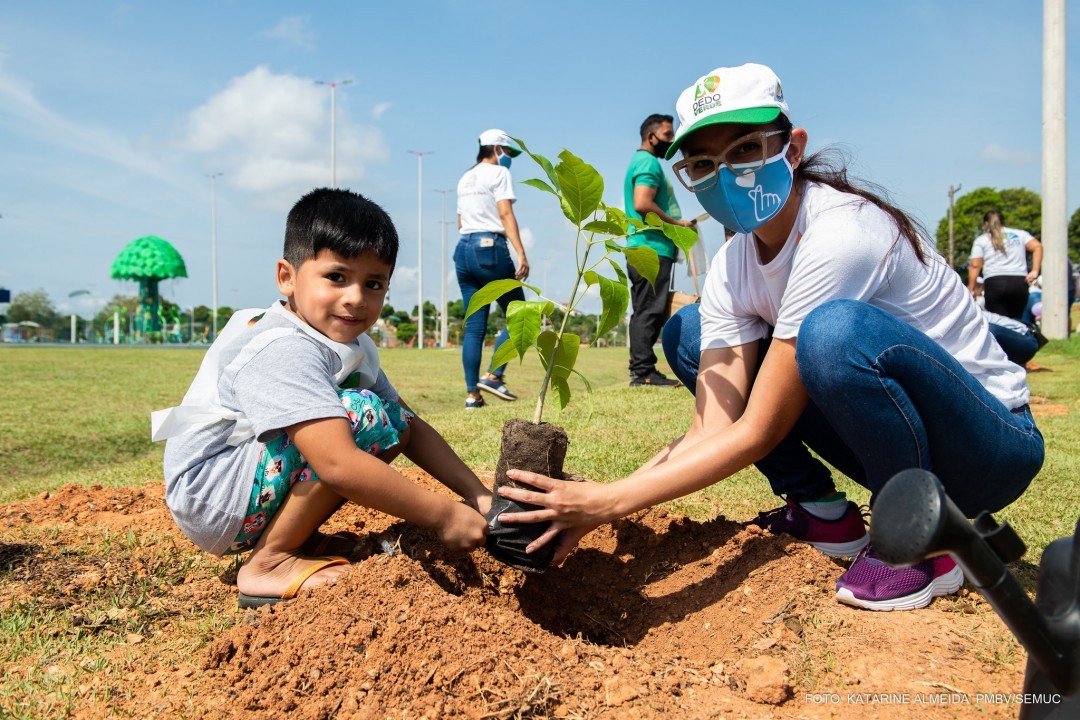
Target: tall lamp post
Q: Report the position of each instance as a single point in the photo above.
(442, 287)
(213, 251)
(333, 120)
(420, 245)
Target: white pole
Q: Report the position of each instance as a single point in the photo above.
(333, 135)
(1055, 214)
(116, 328)
(213, 251)
(333, 125)
(443, 339)
(73, 338)
(420, 246)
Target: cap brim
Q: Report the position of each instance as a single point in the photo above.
(511, 151)
(746, 116)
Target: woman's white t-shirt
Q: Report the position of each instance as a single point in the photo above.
(842, 247)
(478, 191)
(1011, 262)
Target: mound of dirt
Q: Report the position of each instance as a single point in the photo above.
(654, 616)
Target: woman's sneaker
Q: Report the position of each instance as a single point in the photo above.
(495, 387)
(871, 584)
(472, 403)
(835, 538)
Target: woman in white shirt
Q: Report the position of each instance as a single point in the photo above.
(486, 221)
(1000, 254)
(828, 322)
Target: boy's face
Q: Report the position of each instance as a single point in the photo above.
(338, 296)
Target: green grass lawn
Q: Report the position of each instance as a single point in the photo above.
(82, 416)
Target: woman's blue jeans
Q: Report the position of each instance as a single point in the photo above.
(884, 397)
(480, 258)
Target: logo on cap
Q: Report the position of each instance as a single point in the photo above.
(779, 93)
(707, 85)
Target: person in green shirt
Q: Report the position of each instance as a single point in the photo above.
(647, 189)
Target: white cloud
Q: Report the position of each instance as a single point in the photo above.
(998, 155)
(294, 31)
(528, 240)
(271, 134)
(24, 115)
(379, 109)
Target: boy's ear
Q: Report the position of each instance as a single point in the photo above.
(286, 277)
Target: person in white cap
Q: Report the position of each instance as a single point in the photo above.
(827, 323)
(486, 221)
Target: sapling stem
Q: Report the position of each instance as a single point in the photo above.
(539, 412)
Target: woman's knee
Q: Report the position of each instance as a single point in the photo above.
(830, 326)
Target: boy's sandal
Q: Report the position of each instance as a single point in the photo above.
(254, 601)
(343, 542)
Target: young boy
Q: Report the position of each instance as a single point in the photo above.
(290, 415)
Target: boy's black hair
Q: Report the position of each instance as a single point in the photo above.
(342, 221)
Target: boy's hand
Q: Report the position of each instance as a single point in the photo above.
(480, 503)
(463, 529)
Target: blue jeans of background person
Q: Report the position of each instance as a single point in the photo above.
(1019, 347)
(480, 258)
(883, 398)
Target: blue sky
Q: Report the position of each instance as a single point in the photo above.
(113, 114)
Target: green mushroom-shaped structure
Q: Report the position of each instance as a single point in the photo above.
(148, 260)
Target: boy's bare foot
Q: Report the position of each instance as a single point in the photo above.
(268, 574)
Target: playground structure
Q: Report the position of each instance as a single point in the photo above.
(149, 260)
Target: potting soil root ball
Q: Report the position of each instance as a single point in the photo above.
(537, 448)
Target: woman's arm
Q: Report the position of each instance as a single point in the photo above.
(974, 268)
(506, 214)
(731, 433)
(1034, 247)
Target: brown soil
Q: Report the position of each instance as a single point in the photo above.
(656, 616)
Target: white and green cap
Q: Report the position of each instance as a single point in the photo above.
(498, 137)
(748, 94)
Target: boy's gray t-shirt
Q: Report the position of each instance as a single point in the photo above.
(275, 382)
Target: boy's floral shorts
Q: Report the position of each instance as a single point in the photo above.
(376, 426)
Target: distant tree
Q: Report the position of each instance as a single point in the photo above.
(1022, 209)
(202, 314)
(406, 331)
(455, 309)
(33, 306)
(387, 311)
(1074, 237)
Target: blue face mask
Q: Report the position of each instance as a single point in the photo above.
(505, 160)
(744, 203)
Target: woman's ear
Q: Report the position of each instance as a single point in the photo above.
(286, 277)
(795, 153)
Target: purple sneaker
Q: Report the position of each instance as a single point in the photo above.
(871, 584)
(835, 538)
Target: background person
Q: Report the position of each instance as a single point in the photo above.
(827, 323)
(1000, 253)
(646, 189)
(485, 198)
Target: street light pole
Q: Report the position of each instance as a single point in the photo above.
(213, 250)
(442, 294)
(333, 122)
(420, 245)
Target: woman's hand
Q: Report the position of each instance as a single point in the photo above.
(574, 508)
(522, 272)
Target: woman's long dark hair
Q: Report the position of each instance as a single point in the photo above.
(829, 167)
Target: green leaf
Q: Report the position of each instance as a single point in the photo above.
(614, 298)
(618, 271)
(582, 187)
(643, 259)
(603, 226)
(683, 237)
(542, 162)
(613, 246)
(493, 291)
(540, 185)
(563, 389)
(618, 217)
(653, 220)
(637, 224)
(524, 320)
(566, 356)
(505, 354)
